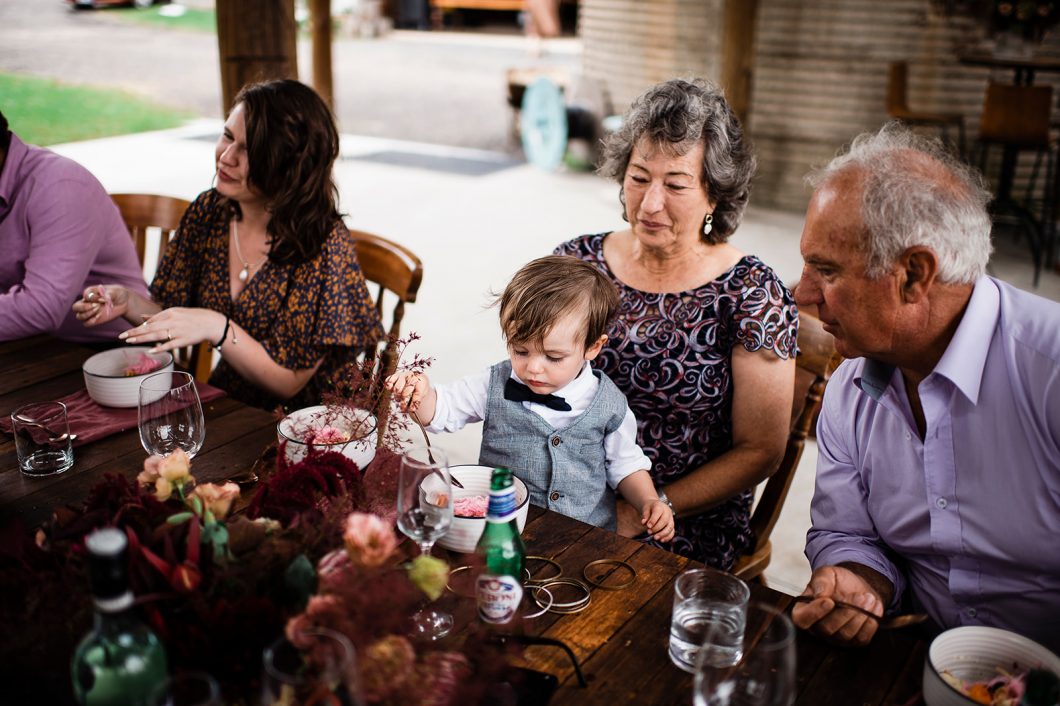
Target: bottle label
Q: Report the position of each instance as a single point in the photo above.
(502, 506)
(498, 598)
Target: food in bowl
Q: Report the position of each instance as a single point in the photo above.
(350, 432)
(113, 377)
(144, 365)
(963, 662)
(464, 532)
(474, 506)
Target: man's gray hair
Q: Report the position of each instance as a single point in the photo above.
(916, 193)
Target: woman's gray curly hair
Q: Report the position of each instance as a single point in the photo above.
(914, 193)
(675, 116)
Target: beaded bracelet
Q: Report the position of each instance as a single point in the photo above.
(224, 335)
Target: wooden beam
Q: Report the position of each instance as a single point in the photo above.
(320, 17)
(738, 54)
(256, 40)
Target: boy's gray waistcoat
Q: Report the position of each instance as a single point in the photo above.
(563, 470)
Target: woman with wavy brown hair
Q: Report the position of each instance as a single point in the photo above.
(262, 265)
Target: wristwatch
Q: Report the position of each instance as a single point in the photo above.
(662, 496)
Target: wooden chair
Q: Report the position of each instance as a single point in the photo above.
(1016, 118)
(898, 106)
(816, 360)
(141, 212)
(394, 268)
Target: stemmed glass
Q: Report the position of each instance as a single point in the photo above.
(425, 512)
(765, 675)
(170, 414)
(318, 667)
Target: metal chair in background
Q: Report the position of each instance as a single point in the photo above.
(898, 107)
(1017, 119)
(142, 212)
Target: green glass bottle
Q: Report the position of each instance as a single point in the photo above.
(499, 588)
(120, 661)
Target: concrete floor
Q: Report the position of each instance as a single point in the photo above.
(474, 217)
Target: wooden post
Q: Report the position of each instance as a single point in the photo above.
(257, 41)
(320, 17)
(738, 55)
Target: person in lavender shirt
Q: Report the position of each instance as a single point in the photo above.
(938, 480)
(59, 233)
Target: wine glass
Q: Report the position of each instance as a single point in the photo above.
(764, 676)
(315, 666)
(170, 414)
(425, 512)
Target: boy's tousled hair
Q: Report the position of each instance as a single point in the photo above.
(547, 289)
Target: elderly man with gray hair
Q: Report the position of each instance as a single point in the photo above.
(938, 480)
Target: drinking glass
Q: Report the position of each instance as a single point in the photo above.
(42, 438)
(170, 414)
(425, 512)
(764, 676)
(706, 598)
(187, 689)
(319, 667)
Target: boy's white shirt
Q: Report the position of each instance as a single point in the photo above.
(464, 401)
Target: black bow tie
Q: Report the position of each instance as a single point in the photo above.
(518, 392)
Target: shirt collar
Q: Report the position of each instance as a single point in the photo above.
(15, 152)
(965, 357)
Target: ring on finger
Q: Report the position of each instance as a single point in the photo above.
(168, 337)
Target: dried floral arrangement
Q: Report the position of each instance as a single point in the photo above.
(350, 416)
(218, 587)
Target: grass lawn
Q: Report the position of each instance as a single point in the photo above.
(46, 112)
(192, 19)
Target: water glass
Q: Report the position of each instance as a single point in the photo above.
(42, 438)
(764, 676)
(170, 414)
(708, 601)
(319, 667)
(187, 689)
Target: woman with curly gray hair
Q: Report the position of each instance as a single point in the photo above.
(704, 344)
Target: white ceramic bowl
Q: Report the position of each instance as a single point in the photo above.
(359, 424)
(464, 533)
(971, 653)
(106, 381)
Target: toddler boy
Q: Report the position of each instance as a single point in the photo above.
(563, 428)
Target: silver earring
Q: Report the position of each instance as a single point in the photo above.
(707, 227)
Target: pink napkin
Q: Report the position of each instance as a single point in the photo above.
(91, 421)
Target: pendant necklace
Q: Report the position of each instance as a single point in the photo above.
(247, 266)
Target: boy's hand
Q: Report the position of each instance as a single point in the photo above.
(409, 389)
(659, 519)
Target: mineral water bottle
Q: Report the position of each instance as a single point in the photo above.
(120, 661)
(499, 588)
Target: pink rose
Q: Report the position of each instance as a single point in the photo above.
(369, 540)
(166, 473)
(217, 499)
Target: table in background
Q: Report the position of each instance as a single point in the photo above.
(1023, 70)
(620, 640)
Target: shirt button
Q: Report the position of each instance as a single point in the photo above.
(556, 441)
(554, 497)
(908, 436)
(941, 502)
(972, 612)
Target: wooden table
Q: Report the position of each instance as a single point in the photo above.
(620, 640)
(1023, 69)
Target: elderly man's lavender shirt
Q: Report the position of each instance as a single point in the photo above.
(969, 518)
(59, 233)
